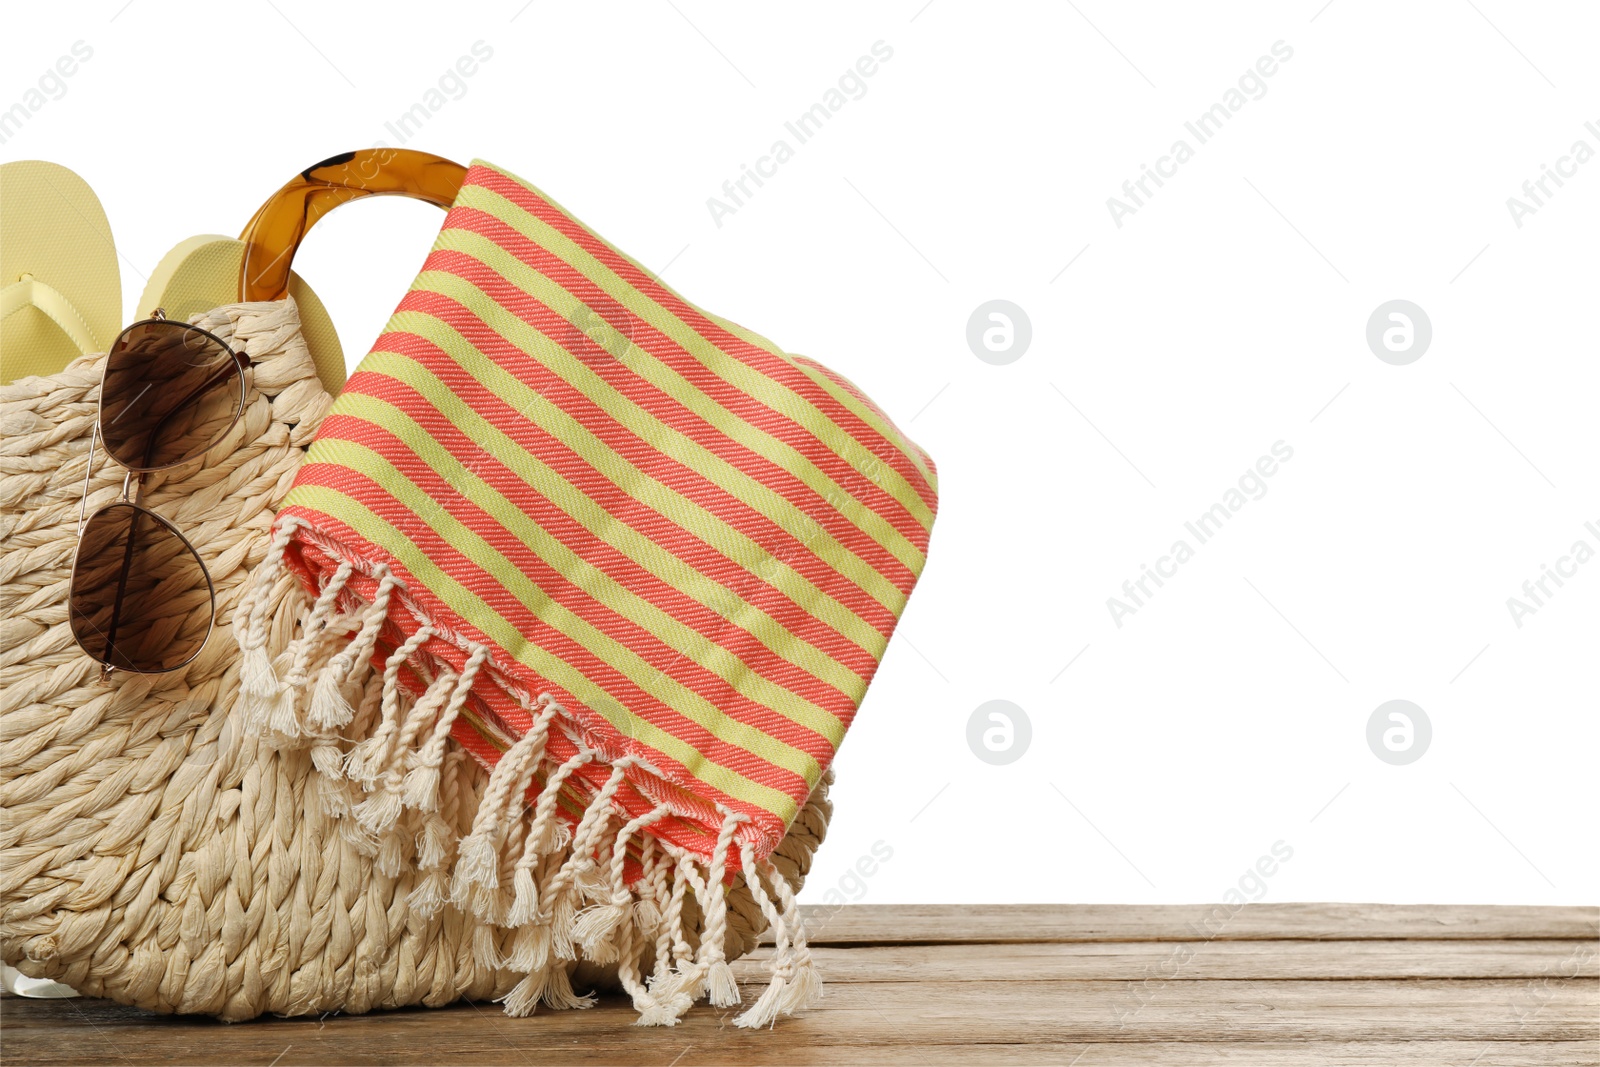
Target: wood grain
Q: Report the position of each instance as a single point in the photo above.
(941, 924)
(1141, 960)
(1283, 985)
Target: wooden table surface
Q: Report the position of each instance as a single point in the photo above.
(1086, 985)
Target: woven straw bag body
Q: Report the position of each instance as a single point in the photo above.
(156, 852)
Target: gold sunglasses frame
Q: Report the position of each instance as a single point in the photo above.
(132, 490)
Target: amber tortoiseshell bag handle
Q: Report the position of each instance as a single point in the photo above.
(273, 235)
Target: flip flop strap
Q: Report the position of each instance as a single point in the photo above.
(31, 292)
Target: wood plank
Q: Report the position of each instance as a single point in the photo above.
(1285, 985)
(938, 924)
(1238, 1011)
(854, 1020)
(1190, 961)
(96, 1032)
(462, 1036)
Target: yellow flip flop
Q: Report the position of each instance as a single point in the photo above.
(60, 286)
(203, 272)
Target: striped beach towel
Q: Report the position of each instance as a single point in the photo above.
(635, 559)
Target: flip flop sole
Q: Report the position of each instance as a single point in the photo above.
(58, 270)
(202, 273)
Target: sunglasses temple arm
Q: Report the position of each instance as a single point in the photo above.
(88, 472)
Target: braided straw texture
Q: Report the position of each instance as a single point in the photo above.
(155, 852)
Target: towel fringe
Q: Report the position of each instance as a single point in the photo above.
(597, 927)
(549, 884)
(794, 983)
(330, 699)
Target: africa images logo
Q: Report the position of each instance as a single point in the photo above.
(1252, 85)
(850, 85)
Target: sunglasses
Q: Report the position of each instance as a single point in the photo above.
(141, 600)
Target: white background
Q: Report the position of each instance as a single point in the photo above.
(1227, 314)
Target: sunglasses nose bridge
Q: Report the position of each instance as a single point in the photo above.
(132, 485)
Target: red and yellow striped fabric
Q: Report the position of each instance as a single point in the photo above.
(698, 544)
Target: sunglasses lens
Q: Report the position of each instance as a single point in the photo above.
(170, 392)
(140, 599)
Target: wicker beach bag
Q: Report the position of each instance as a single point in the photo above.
(154, 849)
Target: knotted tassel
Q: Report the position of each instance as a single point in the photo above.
(523, 1000)
(720, 985)
(367, 760)
(331, 787)
(330, 706)
(535, 846)
(654, 1010)
(258, 682)
(558, 993)
(659, 1002)
(378, 814)
(478, 857)
(391, 856)
(805, 985)
(563, 886)
(688, 977)
(596, 927)
(421, 788)
(650, 907)
(285, 716)
(428, 895)
(530, 948)
(485, 952)
(788, 989)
